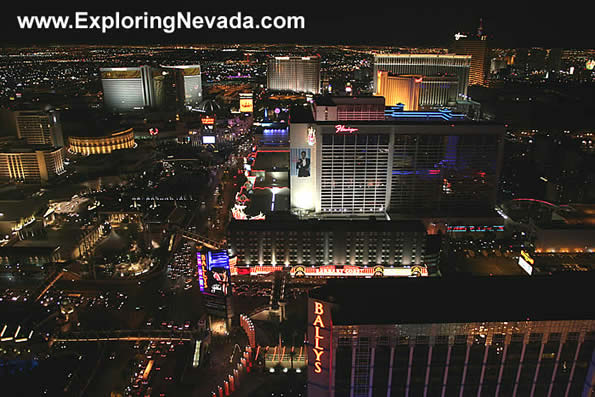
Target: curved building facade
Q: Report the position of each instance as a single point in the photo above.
(102, 144)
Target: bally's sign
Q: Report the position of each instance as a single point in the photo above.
(319, 348)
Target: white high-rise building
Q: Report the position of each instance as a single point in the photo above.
(130, 88)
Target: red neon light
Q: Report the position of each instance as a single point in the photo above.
(535, 200)
(340, 128)
(433, 172)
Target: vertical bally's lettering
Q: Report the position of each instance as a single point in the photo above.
(318, 323)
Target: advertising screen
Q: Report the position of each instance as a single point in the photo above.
(208, 139)
(218, 281)
(216, 273)
(208, 120)
(246, 104)
(525, 266)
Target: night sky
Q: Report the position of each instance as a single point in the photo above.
(508, 24)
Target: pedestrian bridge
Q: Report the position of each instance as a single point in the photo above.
(130, 335)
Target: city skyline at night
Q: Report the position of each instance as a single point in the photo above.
(295, 200)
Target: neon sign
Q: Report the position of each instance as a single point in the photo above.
(342, 129)
(356, 271)
(527, 257)
(208, 120)
(318, 349)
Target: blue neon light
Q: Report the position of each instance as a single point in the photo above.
(397, 112)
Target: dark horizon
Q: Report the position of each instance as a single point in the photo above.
(506, 27)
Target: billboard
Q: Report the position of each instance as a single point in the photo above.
(214, 273)
(214, 278)
(302, 167)
(208, 120)
(300, 162)
(526, 262)
(218, 276)
(208, 139)
(246, 103)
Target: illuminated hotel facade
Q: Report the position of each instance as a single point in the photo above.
(428, 167)
(103, 144)
(188, 84)
(335, 242)
(299, 74)
(405, 337)
(128, 89)
(136, 88)
(39, 127)
(417, 92)
(478, 49)
(31, 164)
(425, 65)
(348, 108)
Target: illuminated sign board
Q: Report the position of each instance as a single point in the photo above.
(246, 103)
(525, 266)
(214, 275)
(202, 269)
(590, 64)
(525, 255)
(333, 271)
(319, 348)
(356, 271)
(208, 140)
(208, 120)
(342, 129)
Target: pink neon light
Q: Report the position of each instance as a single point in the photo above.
(340, 128)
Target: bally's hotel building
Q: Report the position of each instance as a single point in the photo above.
(421, 337)
(417, 164)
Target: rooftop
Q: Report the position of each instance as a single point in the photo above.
(270, 161)
(460, 299)
(327, 100)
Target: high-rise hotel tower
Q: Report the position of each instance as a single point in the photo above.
(425, 65)
(299, 74)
